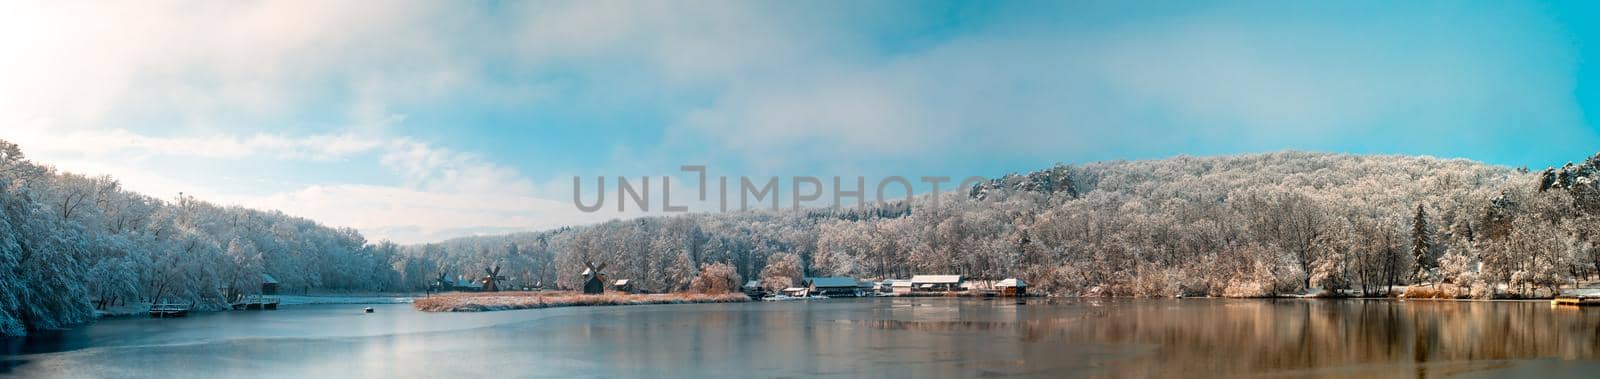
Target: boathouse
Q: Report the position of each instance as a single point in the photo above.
(936, 283)
(901, 287)
(837, 286)
(1012, 287)
(269, 284)
(753, 289)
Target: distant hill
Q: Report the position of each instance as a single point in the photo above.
(1255, 224)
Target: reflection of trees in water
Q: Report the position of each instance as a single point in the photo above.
(1223, 336)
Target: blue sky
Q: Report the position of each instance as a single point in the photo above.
(418, 121)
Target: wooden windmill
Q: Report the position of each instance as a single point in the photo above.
(443, 283)
(492, 278)
(594, 281)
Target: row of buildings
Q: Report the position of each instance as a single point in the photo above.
(841, 286)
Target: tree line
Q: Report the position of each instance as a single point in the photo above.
(71, 245)
(1246, 225)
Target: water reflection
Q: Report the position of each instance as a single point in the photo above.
(1329, 337)
(868, 337)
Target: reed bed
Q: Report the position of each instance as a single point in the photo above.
(500, 301)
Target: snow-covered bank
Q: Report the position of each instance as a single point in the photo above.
(342, 299)
(142, 309)
(499, 301)
(136, 309)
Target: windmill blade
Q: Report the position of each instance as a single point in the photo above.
(602, 267)
(589, 265)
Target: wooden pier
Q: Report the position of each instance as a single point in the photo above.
(1575, 300)
(165, 310)
(257, 302)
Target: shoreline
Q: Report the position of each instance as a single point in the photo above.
(514, 300)
(143, 309)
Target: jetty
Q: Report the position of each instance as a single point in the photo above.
(1575, 300)
(165, 310)
(257, 302)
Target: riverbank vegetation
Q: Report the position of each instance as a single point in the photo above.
(715, 283)
(499, 301)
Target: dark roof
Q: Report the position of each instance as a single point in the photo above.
(830, 282)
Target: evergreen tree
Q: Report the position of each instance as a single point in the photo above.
(1422, 245)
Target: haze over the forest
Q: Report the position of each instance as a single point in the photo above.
(1246, 225)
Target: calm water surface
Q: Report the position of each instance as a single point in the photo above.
(883, 337)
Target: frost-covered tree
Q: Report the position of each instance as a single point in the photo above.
(783, 271)
(716, 278)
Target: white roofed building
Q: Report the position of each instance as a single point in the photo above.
(936, 283)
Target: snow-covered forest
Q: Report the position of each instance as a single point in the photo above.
(70, 244)
(1249, 225)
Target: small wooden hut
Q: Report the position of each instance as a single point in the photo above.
(753, 289)
(623, 285)
(1012, 287)
(269, 284)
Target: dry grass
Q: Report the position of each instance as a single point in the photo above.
(1441, 291)
(499, 301)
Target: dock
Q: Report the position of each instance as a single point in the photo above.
(1579, 300)
(257, 302)
(165, 310)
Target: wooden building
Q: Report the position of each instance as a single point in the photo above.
(269, 284)
(623, 285)
(594, 282)
(936, 283)
(838, 286)
(753, 289)
(899, 286)
(1012, 287)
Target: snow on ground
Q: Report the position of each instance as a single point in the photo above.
(341, 299)
(135, 309)
(1586, 292)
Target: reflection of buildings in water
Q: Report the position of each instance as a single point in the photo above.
(1240, 336)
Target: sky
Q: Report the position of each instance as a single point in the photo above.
(422, 121)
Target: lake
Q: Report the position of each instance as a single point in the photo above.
(875, 337)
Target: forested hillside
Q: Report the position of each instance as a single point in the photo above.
(1249, 225)
(70, 244)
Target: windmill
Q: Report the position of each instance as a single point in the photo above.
(491, 279)
(443, 282)
(594, 281)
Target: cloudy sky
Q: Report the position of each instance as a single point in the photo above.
(418, 121)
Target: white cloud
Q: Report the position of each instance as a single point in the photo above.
(113, 87)
(115, 142)
(426, 167)
(408, 215)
